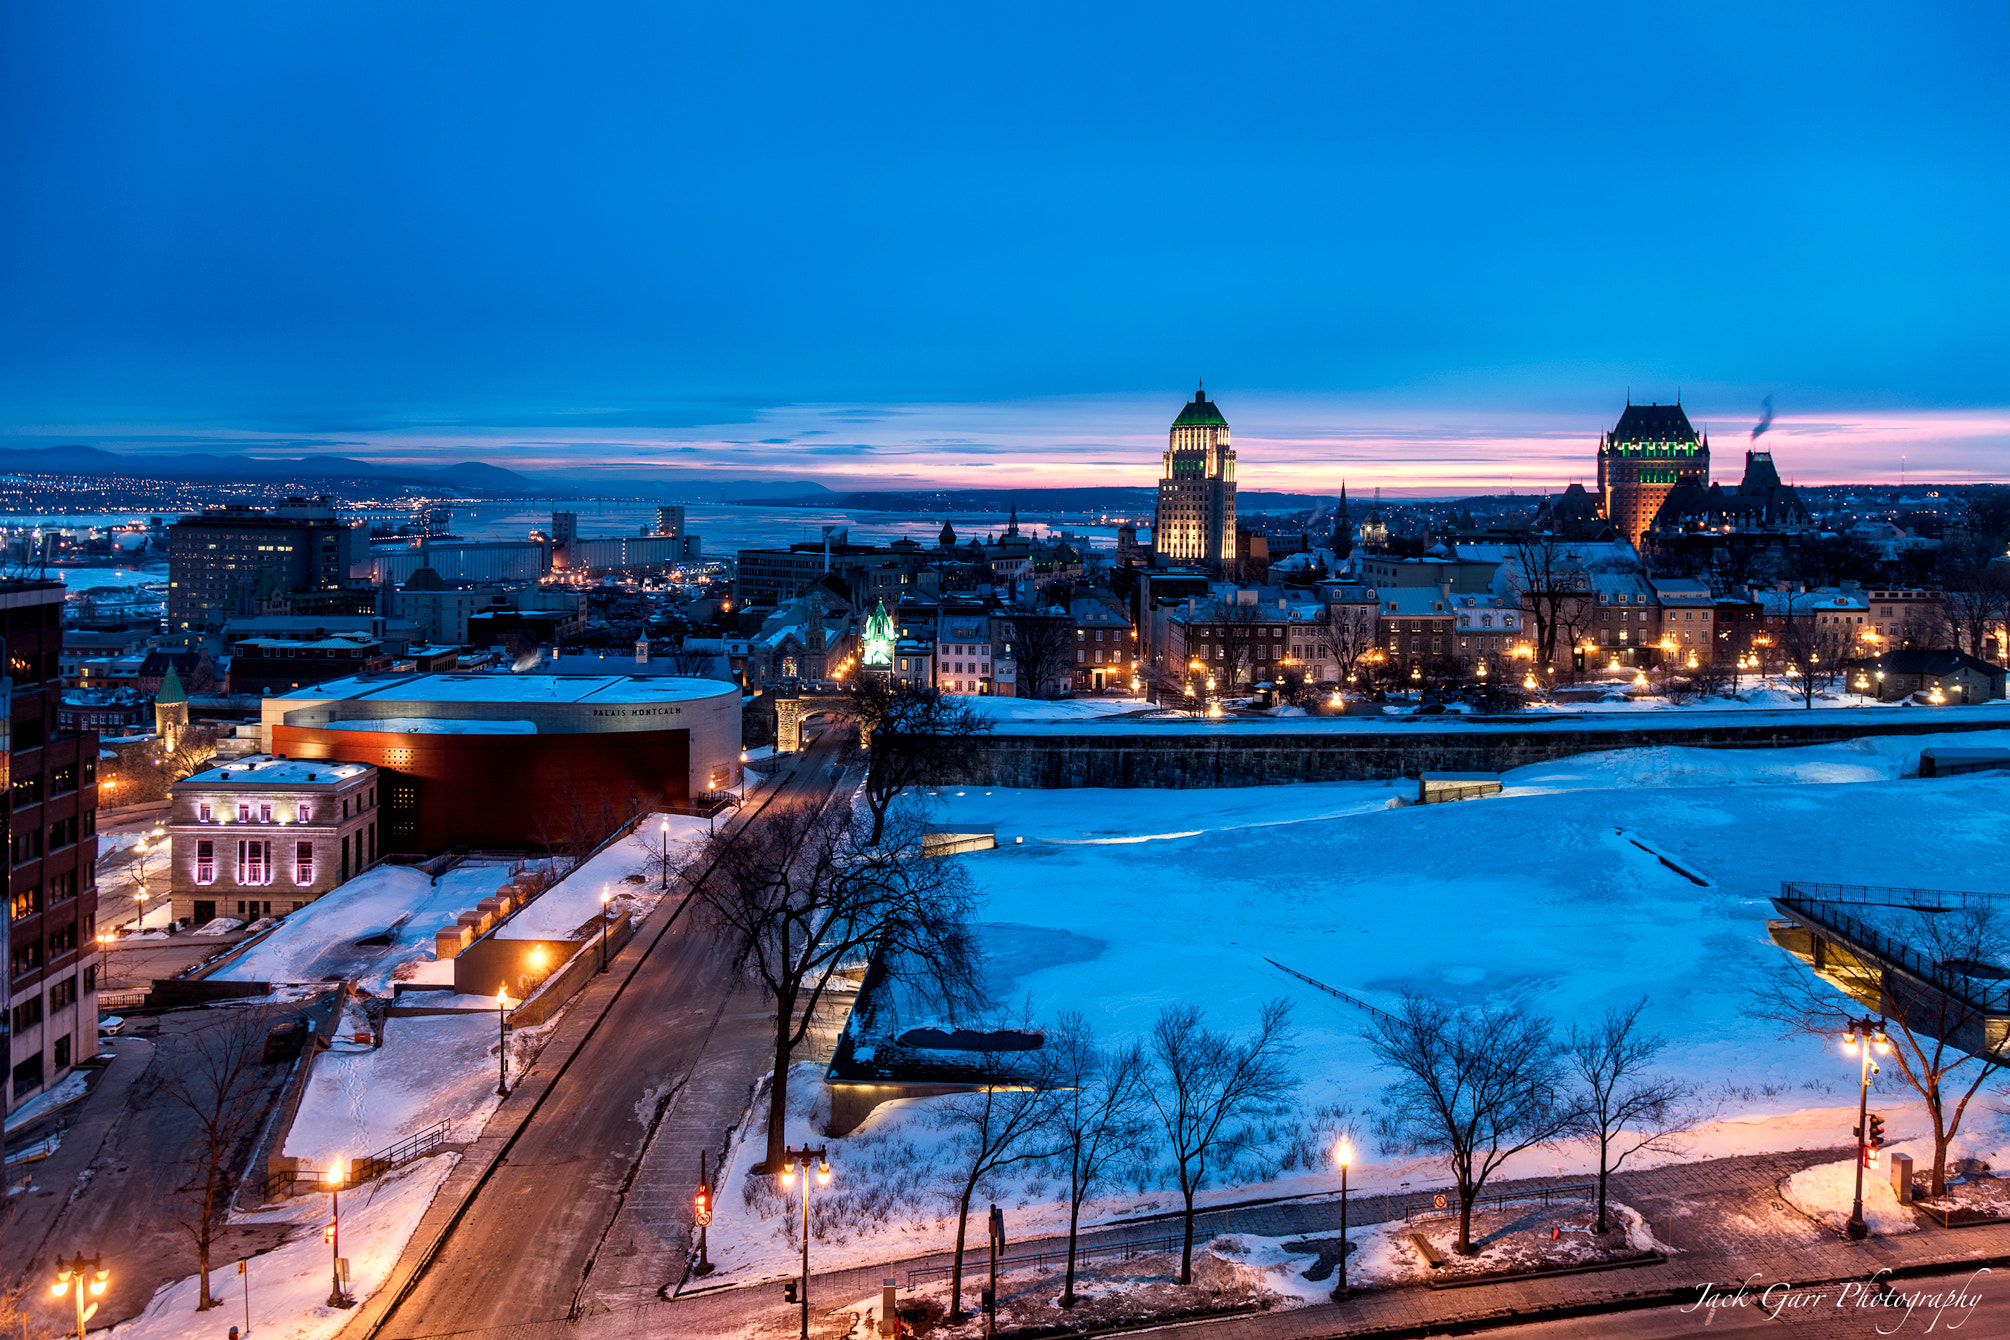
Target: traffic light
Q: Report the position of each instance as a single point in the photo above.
(789, 1292)
(1876, 1140)
(701, 1206)
(328, 1233)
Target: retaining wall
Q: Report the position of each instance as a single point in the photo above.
(1196, 758)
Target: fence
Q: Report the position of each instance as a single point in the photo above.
(122, 1000)
(1447, 1202)
(1122, 1250)
(292, 1181)
(1819, 904)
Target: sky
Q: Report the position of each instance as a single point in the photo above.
(1423, 247)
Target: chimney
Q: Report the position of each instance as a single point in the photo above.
(1445, 590)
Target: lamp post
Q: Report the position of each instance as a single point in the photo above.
(502, 1042)
(1343, 1154)
(665, 831)
(334, 1179)
(790, 1159)
(1858, 1038)
(78, 1278)
(605, 899)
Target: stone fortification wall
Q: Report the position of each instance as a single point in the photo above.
(1195, 759)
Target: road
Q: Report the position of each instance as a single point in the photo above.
(548, 1234)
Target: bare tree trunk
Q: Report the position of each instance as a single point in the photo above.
(1186, 1250)
(956, 1270)
(1604, 1173)
(1074, 1219)
(1465, 1247)
(778, 1094)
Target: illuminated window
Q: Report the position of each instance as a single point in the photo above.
(205, 862)
(303, 863)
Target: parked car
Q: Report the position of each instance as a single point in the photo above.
(284, 1039)
(110, 1025)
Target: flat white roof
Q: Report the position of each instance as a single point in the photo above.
(513, 688)
(435, 726)
(265, 770)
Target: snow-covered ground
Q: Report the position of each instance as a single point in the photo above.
(289, 1285)
(1118, 903)
(319, 942)
(431, 1068)
(623, 868)
(1059, 709)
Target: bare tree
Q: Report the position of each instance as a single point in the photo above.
(1813, 651)
(1043, 650)
(1938, 1033)
(1238, 629)
(213, 1073)
(914, 734)
(1617, 1105)
(1098, 1114)
(1477, 1086)
(1735, 568)
(802, 894)
(1548, 573)
(1349, 631)
(1205, 1085)
(1006, 1121)
(693, 662)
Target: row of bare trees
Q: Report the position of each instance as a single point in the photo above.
(1187, 1096)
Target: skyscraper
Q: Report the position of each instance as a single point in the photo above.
(222, 561)
(1195, 520)
(1651, 450)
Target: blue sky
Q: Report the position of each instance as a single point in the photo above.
(653, 235)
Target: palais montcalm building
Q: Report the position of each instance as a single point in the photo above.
(1195, 522)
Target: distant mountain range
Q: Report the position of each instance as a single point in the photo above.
(204, 467)
(471, 476)
(1124, 500)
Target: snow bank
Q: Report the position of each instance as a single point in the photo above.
(1828, 1190)
(289, 1285)
(1058, 709)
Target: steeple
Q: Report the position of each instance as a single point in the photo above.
(1012, 525)
(947, 539)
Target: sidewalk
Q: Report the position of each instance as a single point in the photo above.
(1725, 1217)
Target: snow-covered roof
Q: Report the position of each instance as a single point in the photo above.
(435, 726)
(528, 688)
(267, 770)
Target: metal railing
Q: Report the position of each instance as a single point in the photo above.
(287, 1180)
(1447, 1201)
(1125, 1251)
(1818, 903)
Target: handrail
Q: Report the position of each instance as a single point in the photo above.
(1823, 912)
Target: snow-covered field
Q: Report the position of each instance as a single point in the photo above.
(622, 869)
(1059, 709)
(1118, 903)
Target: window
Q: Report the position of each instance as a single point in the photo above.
(63, 941)
(303, 863)
(265, 812)
(202, 813)
(205, 862)
(27, 788)
(243, 812)
(63, 993)
(254, 862)
(27, 1014)
(62, 887)
(63, 1052)
(26, 903)
(63, 780)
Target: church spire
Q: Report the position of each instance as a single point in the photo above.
(1012, 525)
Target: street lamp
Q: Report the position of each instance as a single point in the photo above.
(333, 1177)
(1859, 1037)
(605, 899)
(665, 831)
(90, 1277)
(1343, 1154)
(502, 1042)
(790, 1158)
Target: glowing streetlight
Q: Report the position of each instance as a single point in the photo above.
(1858, 1040)
(502, 1042)
(1343, 1154)
(77, 1278)
(665, 831)
(790, 1159)
(333, 1178)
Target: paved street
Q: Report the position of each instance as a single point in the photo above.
(580, 1188)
